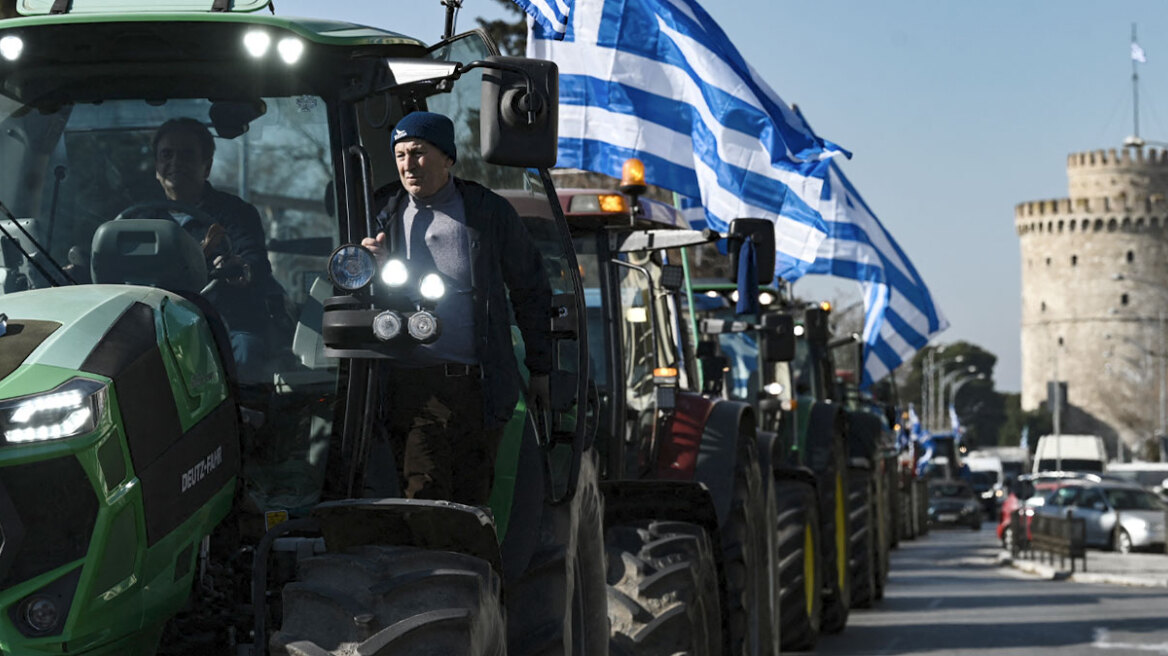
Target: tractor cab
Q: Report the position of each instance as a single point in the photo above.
(187, 344)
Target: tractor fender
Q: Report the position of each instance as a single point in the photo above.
(423, 523)
(727, 423)
(627, 501)
(769, 457)
(800, 474)
(820, 428)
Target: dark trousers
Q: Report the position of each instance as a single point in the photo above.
(438, 436)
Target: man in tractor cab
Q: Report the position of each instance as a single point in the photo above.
(234, 244)
(449, 400)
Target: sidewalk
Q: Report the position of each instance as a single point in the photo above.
(1135, 569)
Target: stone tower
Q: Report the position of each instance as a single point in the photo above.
(1095, 294)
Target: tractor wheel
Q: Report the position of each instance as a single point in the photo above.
(398, 601)
(663, 595)
(801, 592)
(558, 605)
(746, 554)
(833, 515)
(863, 557)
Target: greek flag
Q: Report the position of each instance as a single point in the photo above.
(552, 15)
(660, 81)
(900, 315)
(914, 423)
(955, 424)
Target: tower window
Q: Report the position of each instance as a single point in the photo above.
(1048, 261)
(1042, 307)
(1131, 256)
(1123, 299)
(1074, 260)
(1060, 341)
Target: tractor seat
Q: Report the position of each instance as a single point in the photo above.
(151, 252)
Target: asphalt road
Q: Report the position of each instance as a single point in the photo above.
(947, 595)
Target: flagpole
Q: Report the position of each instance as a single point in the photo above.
(1135, 89)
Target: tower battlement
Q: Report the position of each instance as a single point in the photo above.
(1112, 158)
(1078, 207)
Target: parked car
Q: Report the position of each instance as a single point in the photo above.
(954, 502)
(1149, 475)
(1119, 516)
(1026, 492)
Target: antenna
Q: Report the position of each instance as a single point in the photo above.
(1137, 54)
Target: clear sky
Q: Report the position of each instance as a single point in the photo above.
(955, 112)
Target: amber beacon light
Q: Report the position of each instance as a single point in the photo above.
(633, 177)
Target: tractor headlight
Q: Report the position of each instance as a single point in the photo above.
(432, 287)
(395, 273)
(41, 614)
(352, 267)
(11, 47)
(67, 411)
(423, 326)
(387, 325)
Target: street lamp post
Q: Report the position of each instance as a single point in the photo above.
(971, 369)
(960, 384)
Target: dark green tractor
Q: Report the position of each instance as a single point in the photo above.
(157, 498)
(778, 361)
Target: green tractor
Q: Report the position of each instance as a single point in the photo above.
(778, 361)
(688, 533)
(159, 496)
(872, 463)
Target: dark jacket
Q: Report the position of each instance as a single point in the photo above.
(245, 308)
(503, 258)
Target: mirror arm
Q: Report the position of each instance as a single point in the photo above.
(366, 185)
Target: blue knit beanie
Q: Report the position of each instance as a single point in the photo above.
(428, 126)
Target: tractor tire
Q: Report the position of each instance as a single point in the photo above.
(559, 605)
(392, 601)
(830, 466)
(748, 560)
(863, 543)
(663, 593)
(800, 592)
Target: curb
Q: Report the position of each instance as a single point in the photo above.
(1051, 574)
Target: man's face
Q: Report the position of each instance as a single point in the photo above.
(181, 166)
(423, 168)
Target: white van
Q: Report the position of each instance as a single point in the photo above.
(1083, 453)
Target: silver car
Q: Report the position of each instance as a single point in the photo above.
(1118, 516)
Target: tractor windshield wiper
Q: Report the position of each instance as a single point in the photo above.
(41, 250)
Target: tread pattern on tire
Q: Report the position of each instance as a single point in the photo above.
(863, 556)
(833, 493)
(558, 605)
(798, 514)
(399, 601)
(662, 590)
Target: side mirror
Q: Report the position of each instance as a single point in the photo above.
(816, 326)
(762, 232)
(778, 337)
(519, 121)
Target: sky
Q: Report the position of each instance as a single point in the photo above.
(955, 112)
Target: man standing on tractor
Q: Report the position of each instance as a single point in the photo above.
(450, 399)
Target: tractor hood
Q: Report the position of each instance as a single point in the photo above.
(60, 327)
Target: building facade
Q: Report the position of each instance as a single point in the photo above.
(1095, 295)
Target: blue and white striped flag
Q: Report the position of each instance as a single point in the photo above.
(552, 15)
(660, 81)
(900, 315)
